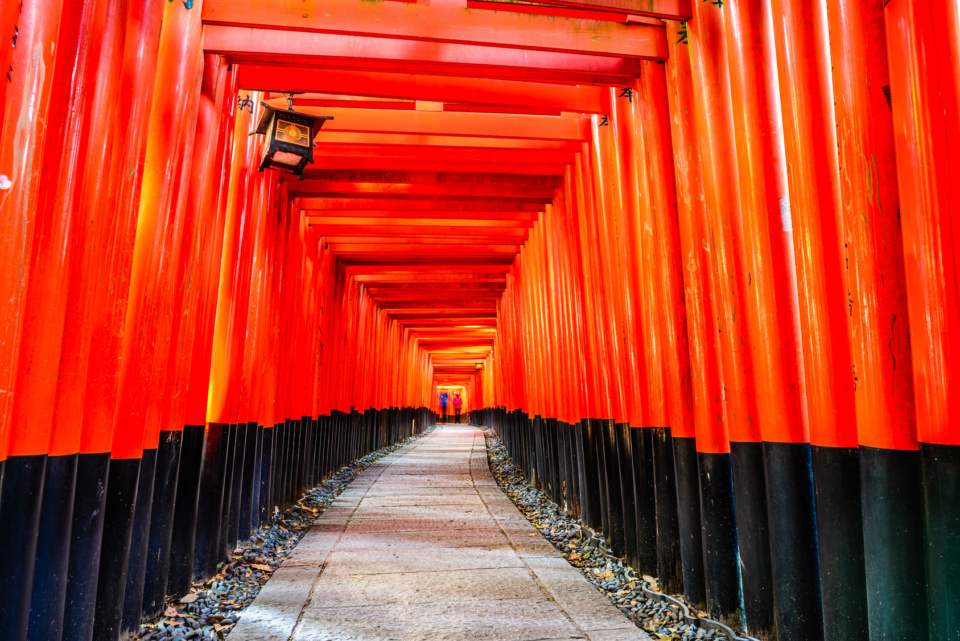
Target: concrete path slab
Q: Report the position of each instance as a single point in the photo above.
(424, 547)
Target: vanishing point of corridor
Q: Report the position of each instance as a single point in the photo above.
(692, 265)
(424, 545)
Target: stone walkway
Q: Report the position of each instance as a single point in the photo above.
(424, 545)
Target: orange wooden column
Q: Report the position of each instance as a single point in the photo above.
(653, 106)
(222, 395)
(695, 259)
(872, 254)
(788, 554)
(889, 460)
(714, 122)
(598, 369)
(163, 432)
(161, 224)
(208, 188)
(924, 63)
(40, 537)
(602, 180)
(24, 130)
(648, 414)
(93, 334)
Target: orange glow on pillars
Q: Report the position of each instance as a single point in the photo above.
(208, 189)
(631, 187)
(590, 375)
(767, 255)
(926, 136)
(652, 106)
(59, 231)
(254, 354)
(160, 228)
(586, 399)
(594, 290)
(90, 375)
(606, 195)
(173, 378)
(810, 140)
(714, 120)
(872, 240)
(21, 154)
(219, 392)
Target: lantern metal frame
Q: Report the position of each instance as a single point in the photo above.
(288, 135)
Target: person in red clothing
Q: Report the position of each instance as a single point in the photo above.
(457, 404)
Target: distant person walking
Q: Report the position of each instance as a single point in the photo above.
(444, 399)
(457, 403)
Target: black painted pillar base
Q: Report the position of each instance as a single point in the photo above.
(566, 481)
(644, 491)
(53, 549)
(600, 452)
(575, 475)
(139, 540)
(669, 565)
(793, 541)
(257, 471)
(556, 468)
(86, 538)
(279, 466)
(223, 545)
(161, 523)
(753, 530)
(893, 541)
(247, 494)
(183, 532)
(719, 530)
(20, 505)
(115, 553)
(686, 467)
(836, 482)
(627, 496)
(591, 508)
(236, 487)
(206, 553)
(941, 488)
(266, 474)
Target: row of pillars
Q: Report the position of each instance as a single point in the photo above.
(744, 300)
(179, 353)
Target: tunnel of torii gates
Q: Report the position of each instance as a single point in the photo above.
(694, 262)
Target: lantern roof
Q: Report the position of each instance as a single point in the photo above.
(316, 122)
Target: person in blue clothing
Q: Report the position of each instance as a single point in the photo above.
(444, 399)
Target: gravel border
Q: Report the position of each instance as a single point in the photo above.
(584, 550)
(212, 608)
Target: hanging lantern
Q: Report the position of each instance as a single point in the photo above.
(289, 138)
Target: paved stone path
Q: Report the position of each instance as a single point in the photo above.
(423, 545)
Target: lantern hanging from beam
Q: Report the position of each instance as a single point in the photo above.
(289, 134)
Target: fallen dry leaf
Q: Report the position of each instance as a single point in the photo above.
(260, 566)
(170, 612)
